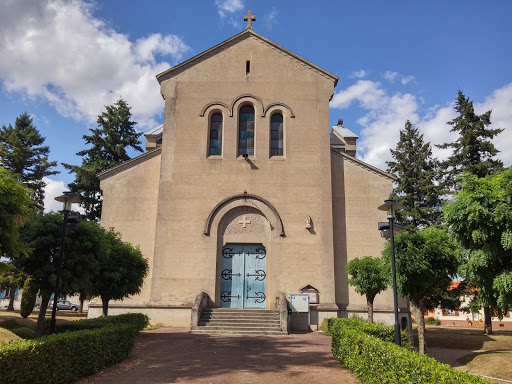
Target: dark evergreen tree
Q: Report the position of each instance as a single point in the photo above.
(417, 186)
(109, 143)
(473, 150)
(22, 151)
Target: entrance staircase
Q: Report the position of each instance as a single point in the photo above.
(239, 321)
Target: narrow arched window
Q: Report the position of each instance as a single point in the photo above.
(276, 135)
(215, 134)
(246, 130)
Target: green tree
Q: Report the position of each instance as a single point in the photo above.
(417, 186)
(84, 250)
(426, 260)
(28, 300)
(480, 218)
(15, 209)
(121, 274)
(22, 151)
(473, 150)
(109, 143)
(369, 278)
(12, 279)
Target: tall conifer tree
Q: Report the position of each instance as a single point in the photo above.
(417, 174)
(22, 152)
(473, 150)
(109, 142)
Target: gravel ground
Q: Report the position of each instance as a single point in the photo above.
(172, 355)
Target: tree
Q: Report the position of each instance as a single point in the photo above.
(480, 218)
(84, 250)
(12, 279)
(369, 278)
(473, 150)
(22, 151)
(426, 260)
(115, 133)
(15, 209)
(417, 186)
(28, 300)
(121, 274)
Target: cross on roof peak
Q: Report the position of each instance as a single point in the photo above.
(249, 18)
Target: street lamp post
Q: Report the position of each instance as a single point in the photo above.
(391, 206)
(67, 199)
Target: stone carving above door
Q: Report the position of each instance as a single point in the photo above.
(244, 221)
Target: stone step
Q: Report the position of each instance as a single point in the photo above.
(239, 321)
(238, 316)
(236, 332)
(244, 311)
(238, 325)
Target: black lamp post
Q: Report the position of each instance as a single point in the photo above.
(391, 206)
(67, 199)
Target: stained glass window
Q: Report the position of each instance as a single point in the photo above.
(215, 134)
(276, 135)
(246, 130)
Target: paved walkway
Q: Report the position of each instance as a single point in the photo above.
(172, 355)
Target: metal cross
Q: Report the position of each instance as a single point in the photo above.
(249, 18)
(244, 221)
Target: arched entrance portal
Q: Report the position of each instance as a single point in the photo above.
(243, 276)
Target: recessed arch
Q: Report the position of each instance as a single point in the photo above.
(246, 96)
(247, 199)
(217, 104)
(268, 107)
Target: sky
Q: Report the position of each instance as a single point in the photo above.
(63, 61)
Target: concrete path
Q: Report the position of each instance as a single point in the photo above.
(172, 355)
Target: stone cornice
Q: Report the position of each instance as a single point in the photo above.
(233, 40)
(362, 164)
(129, 163)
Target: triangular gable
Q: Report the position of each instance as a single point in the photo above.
(233, 40)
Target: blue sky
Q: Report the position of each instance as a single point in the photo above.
(62, 61)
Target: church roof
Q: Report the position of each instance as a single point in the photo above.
(344, 132)
(234, 39)
(362, 164)
(155, 131)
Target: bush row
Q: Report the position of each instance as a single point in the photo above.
(138, 320)
(65, 357)
(373, 360)
(380, 331)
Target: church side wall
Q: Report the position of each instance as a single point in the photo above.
(192, 184)
(357, 192)
(130, 207)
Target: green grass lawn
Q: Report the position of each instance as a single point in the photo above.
(494, 354)
(11, 323)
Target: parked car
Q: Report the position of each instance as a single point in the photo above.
(65, 304)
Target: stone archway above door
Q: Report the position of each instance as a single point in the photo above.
(246, 200)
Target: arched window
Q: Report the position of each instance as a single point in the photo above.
(215, 134)
(246, 130)
(276, 135)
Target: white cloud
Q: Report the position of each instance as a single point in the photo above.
(53, 189)
(359, 74)
(59, 51)
(392, 76)
(228, 6)
(270, 18)
(385, 115)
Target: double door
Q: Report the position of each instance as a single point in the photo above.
(243, 276)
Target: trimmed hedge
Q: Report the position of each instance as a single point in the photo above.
(66, 356)
(373, 360)
(138, 320)
(380, 331)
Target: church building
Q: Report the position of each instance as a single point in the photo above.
(245, 194)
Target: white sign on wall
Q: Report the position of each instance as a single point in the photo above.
(299, 302)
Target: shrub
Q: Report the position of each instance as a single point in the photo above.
(78, 354)
(28, 299)
(24, 332)
(9, 324)
(376, 361)
(432, 321)
(381, 331)
(137, 320)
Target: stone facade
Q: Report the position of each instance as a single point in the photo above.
(182, 205)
